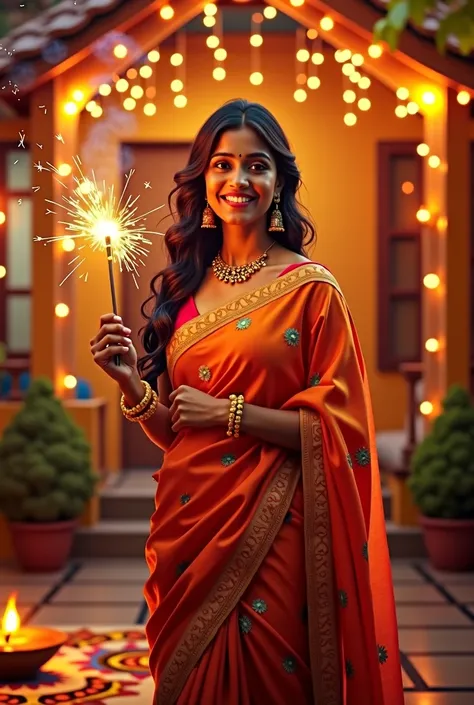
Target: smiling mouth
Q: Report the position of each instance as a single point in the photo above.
(238, 200)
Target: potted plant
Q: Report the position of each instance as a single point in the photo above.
(45, 479)
(442, 483)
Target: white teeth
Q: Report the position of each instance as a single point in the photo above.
(237, 199)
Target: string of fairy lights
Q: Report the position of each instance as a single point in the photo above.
(138, 88)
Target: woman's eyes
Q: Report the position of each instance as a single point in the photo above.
(255, 166)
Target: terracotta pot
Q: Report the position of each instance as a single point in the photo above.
(42, 548)
(449, 543)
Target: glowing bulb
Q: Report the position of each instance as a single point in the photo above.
(166, 12)
(153, 56)
(78, 96)
(431, 281)
(3, 271)
(150, 92)
(463, 98)
(313, 82)
(432, 345)
(408, 187)
(176, 85)
(412, 107)
(213, 41)
(129, 104)
(68, 244)
(423, 149)
(96, 111)
(121, 85)
(64, 169)
(176, 59)
(428, 98)
(210, 9)
(311, 33)
(296, 3)
(132, 73)
(90, 106)
(270, 12)
(317, 58)
(402, 93)
(364, 104)
(105, 89)
(327, 23)
(349, 96)
(347, 69)
(256, 40)
(137, 92)
(256, 78)
(300, 95)
(220, 54)
(61, 310)
(180, 101)
(401, 111)
(302, 55)
(149, 109)
(146, 71)
(339, 56)
(219, 73)
(70, 108)
(209, 21)
(355, 77)
(375, 51)
(423, 215)
(426, 408)
(3, 217)
(70, 382)
(434, 161)
(120, 51)
(357, 59)
(364, 83)
(350, 119)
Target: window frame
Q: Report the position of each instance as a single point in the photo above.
(386, 234)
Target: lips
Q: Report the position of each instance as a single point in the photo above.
(240, 199)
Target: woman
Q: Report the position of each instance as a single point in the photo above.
(269, 572)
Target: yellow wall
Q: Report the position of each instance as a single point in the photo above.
(338, 165)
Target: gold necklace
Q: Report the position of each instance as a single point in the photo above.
(236, 274)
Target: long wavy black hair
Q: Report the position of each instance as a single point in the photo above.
(192, 249)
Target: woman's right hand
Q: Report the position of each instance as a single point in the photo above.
(114, 339)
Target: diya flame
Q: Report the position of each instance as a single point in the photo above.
(11, 619)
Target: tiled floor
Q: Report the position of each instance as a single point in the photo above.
(435, 612)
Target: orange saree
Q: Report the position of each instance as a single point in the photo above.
(270, 579)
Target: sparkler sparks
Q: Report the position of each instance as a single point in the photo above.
(101, 221)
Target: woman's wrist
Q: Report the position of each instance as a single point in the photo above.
(221, 415)
(133, 390)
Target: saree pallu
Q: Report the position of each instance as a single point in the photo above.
(270, 578)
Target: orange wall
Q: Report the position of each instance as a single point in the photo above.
(338, 165)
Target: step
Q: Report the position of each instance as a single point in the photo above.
(110, 538)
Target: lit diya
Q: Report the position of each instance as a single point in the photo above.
(23, 650)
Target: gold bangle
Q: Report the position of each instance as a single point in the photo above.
(147, 412)
(130, 412)
(235, 414)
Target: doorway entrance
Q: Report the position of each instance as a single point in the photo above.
(155, 164)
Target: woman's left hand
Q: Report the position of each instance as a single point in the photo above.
(191, 408)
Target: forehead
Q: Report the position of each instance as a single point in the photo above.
(241, 141)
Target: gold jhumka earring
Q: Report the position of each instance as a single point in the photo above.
(208, 217)
(276, 218)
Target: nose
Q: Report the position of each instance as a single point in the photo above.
(239, 178)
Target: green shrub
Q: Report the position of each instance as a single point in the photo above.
(45, 461)
(442, 478)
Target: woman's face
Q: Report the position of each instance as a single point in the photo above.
(241, 179)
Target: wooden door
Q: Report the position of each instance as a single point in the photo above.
(156, 165)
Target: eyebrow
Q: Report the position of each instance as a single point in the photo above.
(253, 155)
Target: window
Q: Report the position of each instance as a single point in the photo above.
(16, 238)
(399, 254)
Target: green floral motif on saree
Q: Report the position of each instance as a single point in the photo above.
(243, 323)
(315, 380)
(349, 460)
(365, 551)
(349, 669)
(289, 664)
(362, 457)
(383, 654)
(245, 624)
(343, 599)
(228, 459)
(184, 499)
(259, 606)
(292, 337)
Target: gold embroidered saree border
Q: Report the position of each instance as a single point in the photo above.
(322, 612)
(232, 583)
(190, 333)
